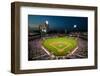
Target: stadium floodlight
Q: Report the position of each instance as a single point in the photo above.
(46, 22)
(75, 26)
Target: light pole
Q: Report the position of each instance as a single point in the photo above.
(46, 22)
(75, 26)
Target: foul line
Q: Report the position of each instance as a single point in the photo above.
(46, 50)
(73, 51)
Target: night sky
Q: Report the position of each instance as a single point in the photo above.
(60, 22)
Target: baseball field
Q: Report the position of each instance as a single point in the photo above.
(60, 46)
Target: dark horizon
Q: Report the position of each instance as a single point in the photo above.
(60, 23)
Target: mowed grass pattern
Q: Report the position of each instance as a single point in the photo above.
(60, 46)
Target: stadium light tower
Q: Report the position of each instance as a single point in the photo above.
(76, 30)
(47, 22)
(75, 26)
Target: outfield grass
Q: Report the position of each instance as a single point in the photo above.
(60, 46)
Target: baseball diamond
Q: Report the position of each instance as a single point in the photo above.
(60, 46)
